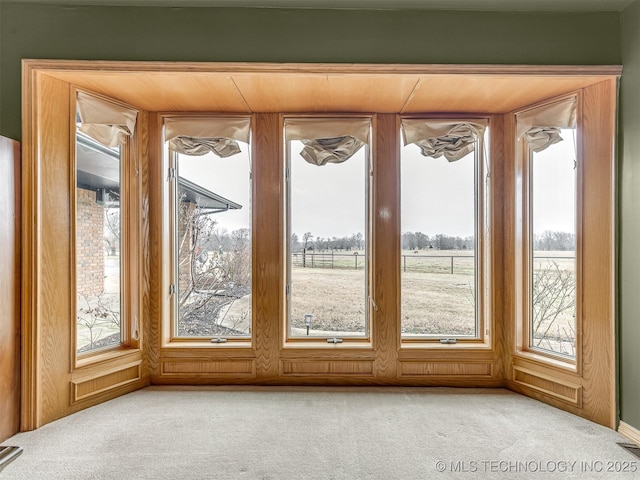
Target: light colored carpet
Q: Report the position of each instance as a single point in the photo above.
(320, 433)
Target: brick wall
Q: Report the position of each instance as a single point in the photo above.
(90, 246)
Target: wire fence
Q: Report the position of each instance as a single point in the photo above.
(448, 264)
(331, 260)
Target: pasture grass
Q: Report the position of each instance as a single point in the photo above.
(433, 300)
(432, 303)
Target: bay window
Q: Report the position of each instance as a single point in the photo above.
(327, 178)
(444, 227)
(548, 267)
(210, 188)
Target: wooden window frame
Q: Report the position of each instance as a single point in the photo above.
(581, 387)
(130, 256)
(483, 232)
(170, 338)
(321, 342)
(524, 247)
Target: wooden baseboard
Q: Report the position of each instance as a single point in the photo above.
(630, 432)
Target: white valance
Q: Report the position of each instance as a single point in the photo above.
(453, 139)
(328, 140)
(107, 123)
(540, 127)
(201, 135)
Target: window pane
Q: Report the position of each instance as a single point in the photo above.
(213, 245)
(328, 246)
(553, 260)
(438, 259)
(98, 245)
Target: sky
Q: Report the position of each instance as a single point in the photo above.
(228, 177)
(554, 187)
(329, 200)
(436, 195)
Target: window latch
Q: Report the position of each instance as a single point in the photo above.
(334, 340)
(448, 340)
(172, 289)
(218, 340)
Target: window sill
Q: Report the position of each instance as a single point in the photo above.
(548, 360)
(104, 356)
(435, 344)
(322, 344)
(207, 344)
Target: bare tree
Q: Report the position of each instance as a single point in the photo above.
(294, 242)
(99, 315)
(553, 301)
(112, 221)
(306, 238)
(214, 270)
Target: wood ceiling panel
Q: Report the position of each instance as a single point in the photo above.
(171, 91)
(488, 94)
(326, 93)
(325, 88)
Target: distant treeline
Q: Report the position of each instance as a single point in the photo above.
(419, 241)
(219, 239)
(319, 244)
(554, 241)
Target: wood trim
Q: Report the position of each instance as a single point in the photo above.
(385, 245)
(104, 380)
(453, 368)
(549, 385)
(306, 368)
(204, 366)
(500, 214)
(10, 288)
(325, 68)
(73, 209)
(158, 317)
(143, 144)
(509, 239)
(53, 222)
(598, 252)
(268, 243)
(275, 88)
(30, 258)
(630, 432)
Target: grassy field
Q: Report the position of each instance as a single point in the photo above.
(435, 301)
(431, 303)
(335, 298)
(437, 304)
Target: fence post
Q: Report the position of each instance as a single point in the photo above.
(404, 263)
(451, 264)
(356, 257)
(331, 259)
